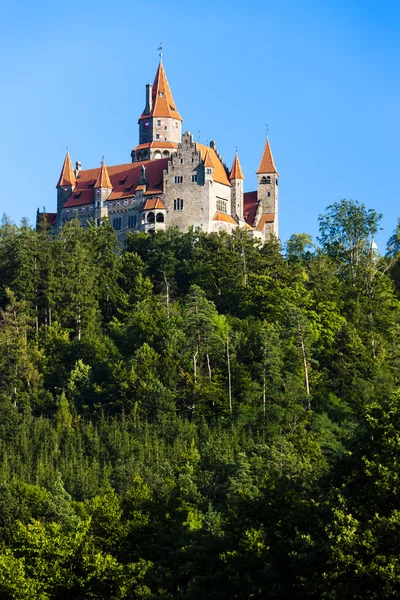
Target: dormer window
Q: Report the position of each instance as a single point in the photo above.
(161, 94)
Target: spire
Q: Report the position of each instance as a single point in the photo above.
(103, 179)
(236, 171)
(267, 164)
(67, 176)
(207, 160)
(162, 102)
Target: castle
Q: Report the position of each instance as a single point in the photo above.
(172, 181)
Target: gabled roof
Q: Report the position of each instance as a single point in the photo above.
(156, 144)
(163, 104)
(103, 179)
(265, 218)
(153, 204)
(124, 180)
(213, 161)
(250, 205)
(51, 218)
(267, 164)
(220, 216)
(236, 171)
(67, 176)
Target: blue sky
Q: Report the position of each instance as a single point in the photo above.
(322, 74)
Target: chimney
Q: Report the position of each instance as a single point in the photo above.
(78, 168)
(149, 104)
(213, 144)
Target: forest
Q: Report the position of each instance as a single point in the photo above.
(196, 416)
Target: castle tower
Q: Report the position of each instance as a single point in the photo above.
(237, 180)
(160, 125)
(267, 191)
(65, 186)
(102, 190)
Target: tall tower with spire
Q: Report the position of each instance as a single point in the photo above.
(65, 186)
(267, 191)
(237, 182)
(102, 190)
(160, 125)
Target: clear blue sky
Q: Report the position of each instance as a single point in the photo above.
(324, 75)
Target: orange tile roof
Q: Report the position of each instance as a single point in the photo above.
(153, 204)
(247, 226)
(265, 218)
(236, 171)
(124, 181)
(219, 170)
(220, 216)
(163, 104)
(140, 188)
(156, 145)
(267, 164)
(103, 179)
(207, 160)
(67, 176)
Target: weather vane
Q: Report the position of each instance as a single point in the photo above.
(266, 130)
(160, 50)
(102, 159)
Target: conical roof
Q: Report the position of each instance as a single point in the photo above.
(103, 179)
(163, 104)
(267, 164)
(236, 171)
(67, 176)
(207, 160)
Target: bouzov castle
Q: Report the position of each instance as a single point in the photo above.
(172, 181)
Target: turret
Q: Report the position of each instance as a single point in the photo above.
(267, 190)
(102, 191)
(237, 181)
(208, 167)
(160, 125)
(65, 186)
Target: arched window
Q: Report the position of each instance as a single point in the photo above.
(160, 218)
(157, 154)
(150, 217)
(268, 179)
(165, 154)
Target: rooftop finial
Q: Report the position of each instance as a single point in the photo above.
(266, 130)
(160, 51)
(67, 147)
(102, 160)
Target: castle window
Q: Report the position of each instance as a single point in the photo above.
(131, 221)
(160, 218)
(159, 123)
(157, 136)
(178, 179)
(117, 223)
(151, 218)
(222, 205)
(178, 204)
(176, 125)
(268, 179)
(194, 178)
(269, 193)
(209, 171)
(165, 128)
